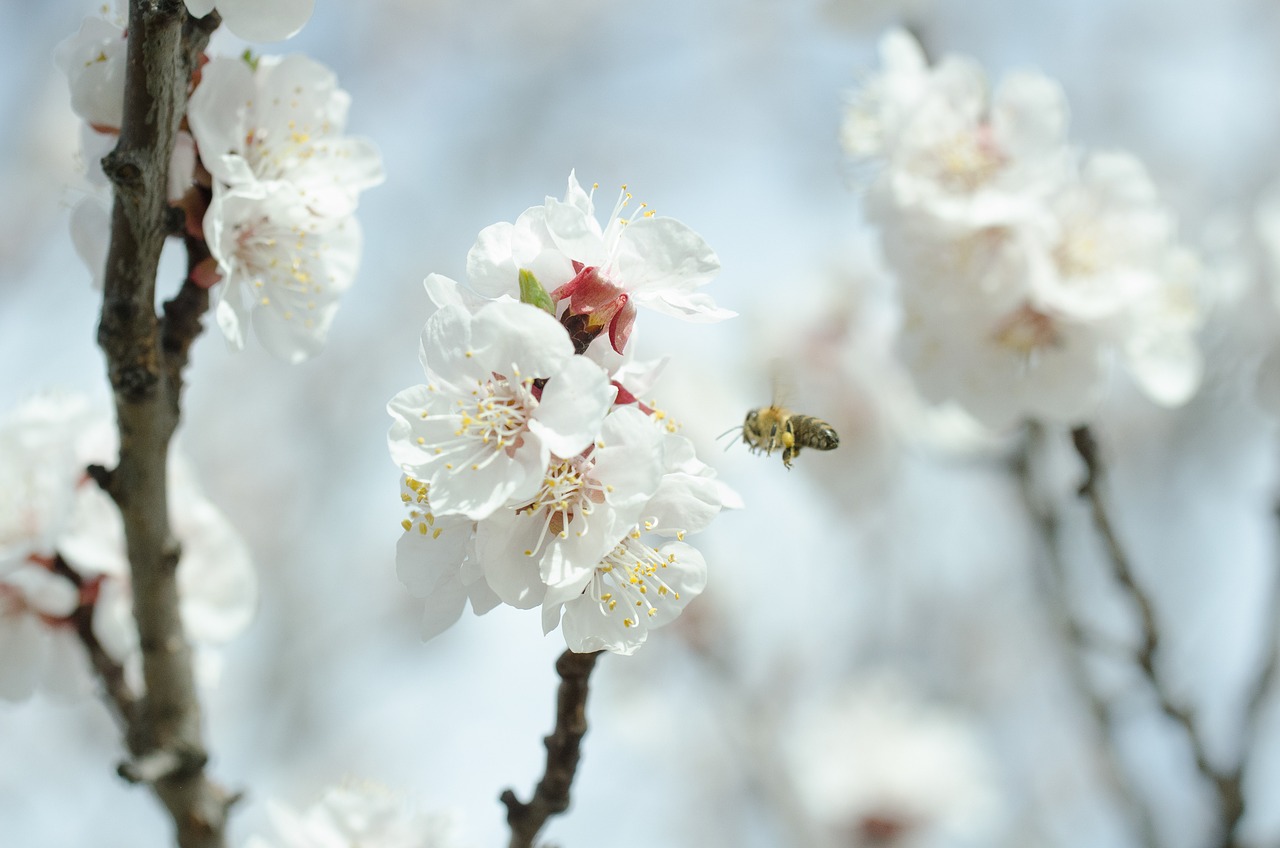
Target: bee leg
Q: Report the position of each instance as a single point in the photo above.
(789, 453)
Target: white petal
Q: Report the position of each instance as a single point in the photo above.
(662, 253)
(217, 112)
(91, 235)
(573, 406)
(423, 560)
(1168, 366)
(216, 580)
(263, 20)
(444, 605)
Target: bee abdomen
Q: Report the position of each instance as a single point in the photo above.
(814, 433)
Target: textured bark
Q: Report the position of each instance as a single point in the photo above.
(564, 745)
(144, 365)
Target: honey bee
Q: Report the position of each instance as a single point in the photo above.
(775, 427)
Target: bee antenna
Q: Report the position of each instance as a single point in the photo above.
(736, 429)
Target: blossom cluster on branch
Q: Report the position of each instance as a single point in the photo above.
(262, 173)
(1027, 269)
(533, 474)
(62, 554)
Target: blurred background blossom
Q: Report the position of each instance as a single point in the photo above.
(908, 555)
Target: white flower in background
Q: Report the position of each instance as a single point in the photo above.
(360, 816)
(282, 121)
(217, 586)
(1112, 238)
(40, 472)
(257, 20)
(283, 268)
(1025, 280)
(950, 148)
(1004, 368)
(876, 766)
(603, 272)
(93, 60)
(481, 432)
(62, 546)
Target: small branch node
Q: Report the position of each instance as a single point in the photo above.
(123, 170)
(162, 764)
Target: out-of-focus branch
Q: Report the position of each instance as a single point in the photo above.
(551, 796)
(1078, 641)
(143, 366)
(122, 700)
(1227, 784)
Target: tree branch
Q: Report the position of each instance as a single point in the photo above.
(164, 44)
(563, 752)
(1100, 707)
(122, 700)
(1227, 784)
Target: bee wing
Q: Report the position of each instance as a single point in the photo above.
(782, 381)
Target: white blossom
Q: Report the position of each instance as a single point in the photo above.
(257, 20)
(480, 432)
(62, 547)
(94, 60)
(584, 504)
(281, 122)
(602, 272)
(644, 582)
(1026, 280)
(283, 268)
(875, 765)
(357, 816)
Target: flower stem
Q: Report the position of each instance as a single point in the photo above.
(551, 796)
(144, 359)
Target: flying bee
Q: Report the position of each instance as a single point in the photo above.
(775, 427)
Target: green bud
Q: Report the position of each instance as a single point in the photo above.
(532, 293)
(249, 59)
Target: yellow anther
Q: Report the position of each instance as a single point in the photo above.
(528, 552)
(437, 532)
(421, 441)
(680, 535)
(406, 524)
(422, 528)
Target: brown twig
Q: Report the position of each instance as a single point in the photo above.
(1227, 783)
(163, 48)
(551, 797)
(1100, 707)
(122, 700)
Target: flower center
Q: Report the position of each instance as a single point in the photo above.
(969, 160)
(1079, 254)
(568, 490)
(1027, 331)
(628, 581)
(281, 256)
